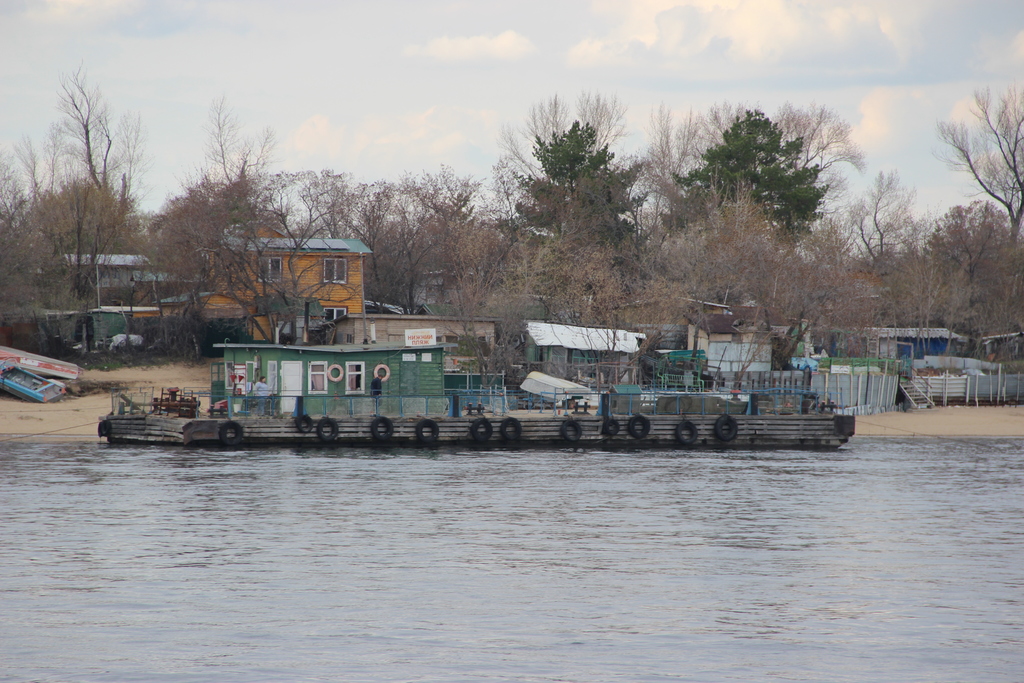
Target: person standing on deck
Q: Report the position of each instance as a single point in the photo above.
(377, 384)
(262, 391)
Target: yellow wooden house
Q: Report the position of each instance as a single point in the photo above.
(288, 290)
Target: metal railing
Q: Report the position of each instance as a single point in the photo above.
(648, 402)
(138, 401)
(335, 406)
(684, 381)
(885, 366)
(555, 403)
(470, 401)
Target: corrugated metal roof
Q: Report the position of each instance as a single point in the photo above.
(317, 244)
(113, 260)
(915, 333)
(585, 338)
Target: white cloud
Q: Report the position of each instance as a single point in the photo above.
(746, 32)
(591, 53)
(316, 136)
(1003, 55)
(963, 110)
(377, 144)
(62, 11)
(507, 46)
(874, 131)
(890, 117)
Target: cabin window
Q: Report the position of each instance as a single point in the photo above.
(335, 270)
(335, 313)
(272, 268)
(354, 378)
(318, 377)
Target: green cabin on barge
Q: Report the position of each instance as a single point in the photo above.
(330, 380)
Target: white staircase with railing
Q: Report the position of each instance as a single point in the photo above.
(916, 392)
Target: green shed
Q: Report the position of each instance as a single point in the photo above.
(332, 380)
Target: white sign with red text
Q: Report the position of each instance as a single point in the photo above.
(424, 337)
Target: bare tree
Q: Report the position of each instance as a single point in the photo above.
(719, 118)
(19, 260)
(81, 183)
(883, 219)
(44, 167)
(991, 149)
(109, 154)
(605, 114)
(808, 284)
(399, 223)
(828, 142)
(308, 204)
(673, 150)
(80, 222)
(970, 245)
(231, 154)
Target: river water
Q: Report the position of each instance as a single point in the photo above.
(889, 560)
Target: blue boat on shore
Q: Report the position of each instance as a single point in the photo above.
(29, 386)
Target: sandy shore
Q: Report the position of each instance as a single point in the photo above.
(75, 417)
(945, 422)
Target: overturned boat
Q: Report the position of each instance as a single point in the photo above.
(29, 386)
(37, 364)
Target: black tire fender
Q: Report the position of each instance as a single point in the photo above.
(511, 429)
(571, 431)
(610, 426)
(304, 423)
(639, 426)
(686, 433)
(104, 428)
(427, 431)
(326, 429)
(230, 433)
(481, 429)
(381, 428)
(726, 428)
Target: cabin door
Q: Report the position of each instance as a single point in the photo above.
(291, 384)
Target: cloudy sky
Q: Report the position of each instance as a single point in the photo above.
(377, 89)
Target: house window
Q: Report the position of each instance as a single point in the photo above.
(335, 270)
(272, 268)
(354, 378)
(318, 377)
(335, 313)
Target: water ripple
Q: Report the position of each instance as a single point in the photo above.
(888, 560)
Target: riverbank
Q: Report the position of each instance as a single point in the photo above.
(75, 417)
(946, 422)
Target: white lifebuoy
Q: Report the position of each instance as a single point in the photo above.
(335, 377)
(387, 372)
